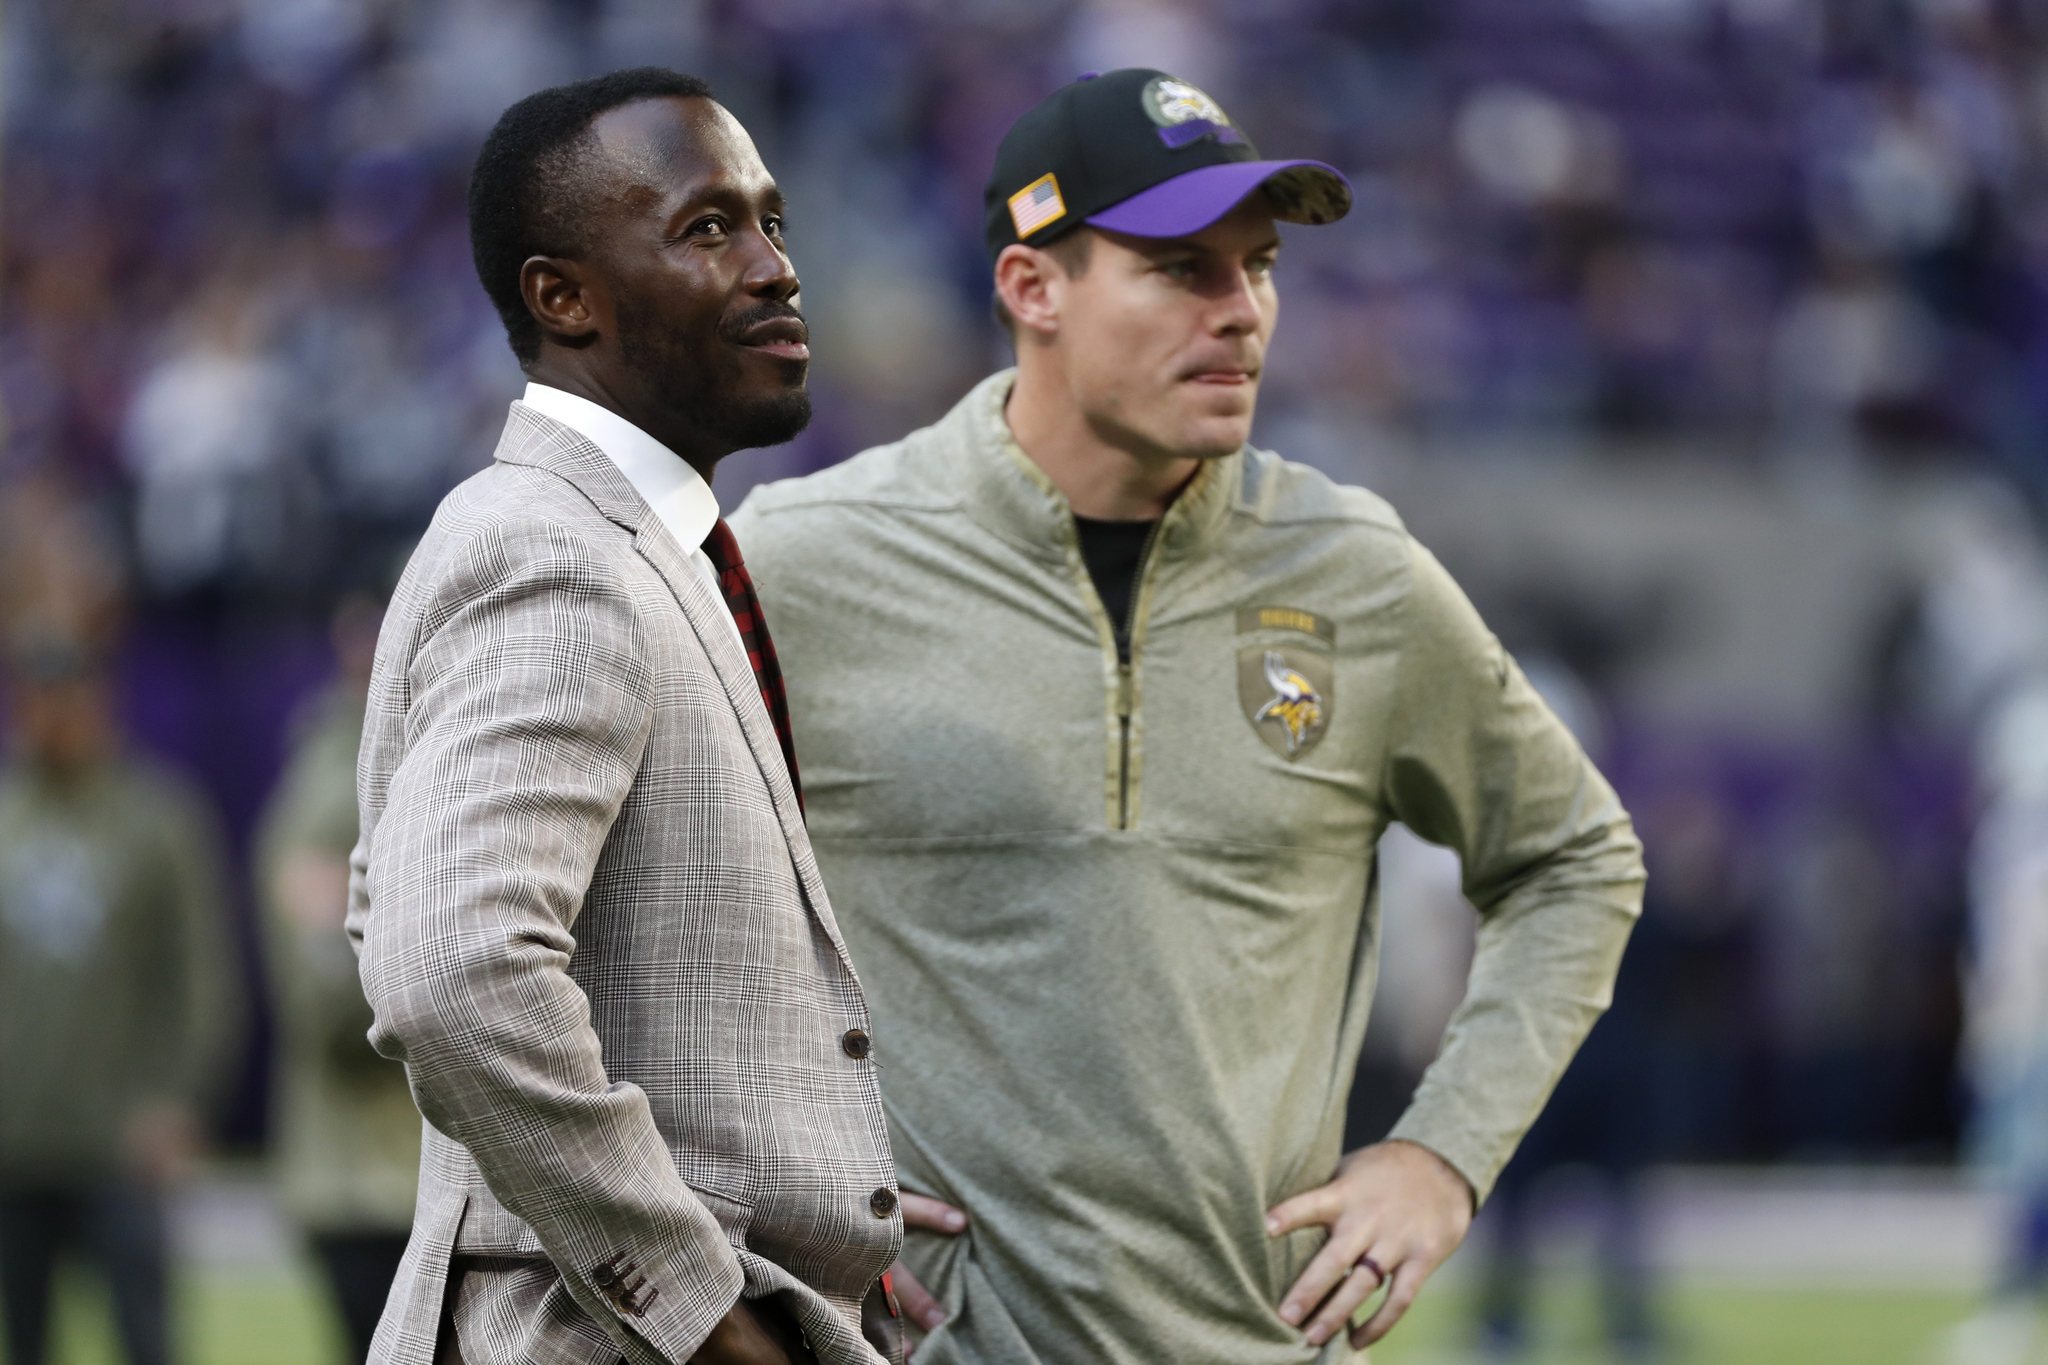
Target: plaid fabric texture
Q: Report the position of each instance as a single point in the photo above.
(591, 924)
(738, 586)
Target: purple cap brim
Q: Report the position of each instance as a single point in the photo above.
(1186, 204)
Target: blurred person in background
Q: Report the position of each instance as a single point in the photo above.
(1601, 1123)
(2007, 1036)
(116, 997)
(1105, 712)
(346, 1134)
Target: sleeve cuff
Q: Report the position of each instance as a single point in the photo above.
(662, 1308)
(1468, 1158)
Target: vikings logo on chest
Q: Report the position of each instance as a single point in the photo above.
(1285, 676)
(1295, 702)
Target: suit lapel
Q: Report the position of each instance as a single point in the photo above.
(533, 439)
(735, 673)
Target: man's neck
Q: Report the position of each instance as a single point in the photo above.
(1101, 479)
(686, 441)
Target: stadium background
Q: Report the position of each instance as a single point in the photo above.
(1706, 340)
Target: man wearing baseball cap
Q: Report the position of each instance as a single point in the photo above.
(1102, 714)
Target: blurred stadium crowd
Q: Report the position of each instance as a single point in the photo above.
(238, 282)
(1793, 248)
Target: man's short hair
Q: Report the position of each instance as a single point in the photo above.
(524, 194)
(1071, 251)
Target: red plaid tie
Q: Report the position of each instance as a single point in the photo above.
(738, 586)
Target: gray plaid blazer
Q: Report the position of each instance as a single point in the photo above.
(592, 928)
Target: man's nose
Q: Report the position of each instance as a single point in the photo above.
(1236, 308)
(769, 273)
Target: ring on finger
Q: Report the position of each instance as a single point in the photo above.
(1379, 1273)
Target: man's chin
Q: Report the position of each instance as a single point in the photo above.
(1212, 452)
(767, 419)
(1217, 423)
(1215, 437)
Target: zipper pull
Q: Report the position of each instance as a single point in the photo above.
(1123, 691)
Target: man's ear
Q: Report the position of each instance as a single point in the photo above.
(1030, 283)
(559, 295)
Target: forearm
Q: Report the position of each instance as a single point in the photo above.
(1543, 974)
(470, 988)
(1479, 763)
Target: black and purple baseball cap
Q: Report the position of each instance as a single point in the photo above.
(1141, 152)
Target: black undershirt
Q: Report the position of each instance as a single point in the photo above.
(1112, 551)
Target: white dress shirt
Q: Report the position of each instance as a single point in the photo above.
(676, 492)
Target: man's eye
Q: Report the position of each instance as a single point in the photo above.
(1177, 270)
(706, 227)
(772, 226)
(1260, 266)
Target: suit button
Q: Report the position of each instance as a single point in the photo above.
(857, 1043)
(883, 1202)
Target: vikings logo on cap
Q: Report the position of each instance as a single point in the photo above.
(1184, 114)
(1169, 101)
(1284, 680)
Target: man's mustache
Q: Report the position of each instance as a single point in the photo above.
(766, 321)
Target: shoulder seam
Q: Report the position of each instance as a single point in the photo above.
(528, 517)
(1364, 523)
(1270, 465)
(826, 503)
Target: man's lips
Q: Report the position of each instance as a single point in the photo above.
(785, 338)
(1222, 369)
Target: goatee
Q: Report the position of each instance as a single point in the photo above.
(715, 407)
(765, 422)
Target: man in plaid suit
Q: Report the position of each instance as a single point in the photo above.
(588, 915)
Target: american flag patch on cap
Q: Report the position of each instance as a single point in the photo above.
(1037, 204)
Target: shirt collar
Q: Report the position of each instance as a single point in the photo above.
(676, 492)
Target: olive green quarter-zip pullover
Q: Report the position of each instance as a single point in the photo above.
(117, 982)
(1119, 921)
